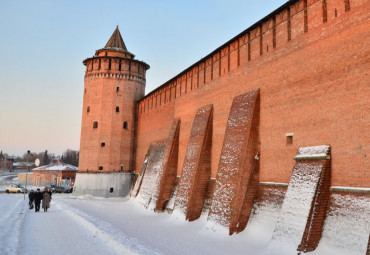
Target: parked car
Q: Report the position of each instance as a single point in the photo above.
(69, 190)
(54, 188)
(51, 187)
(15, 188)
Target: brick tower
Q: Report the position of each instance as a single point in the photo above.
(114, 82)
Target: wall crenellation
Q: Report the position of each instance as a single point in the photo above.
(274, 31)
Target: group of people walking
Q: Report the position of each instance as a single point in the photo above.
(37, 197)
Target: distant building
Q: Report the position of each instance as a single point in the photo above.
(6, 163)
(59, 173)
(24, 178)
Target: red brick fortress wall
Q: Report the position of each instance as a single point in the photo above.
(310, 60)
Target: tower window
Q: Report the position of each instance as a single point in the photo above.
(121, 167)
(125, 125)
(289, 139)
(95, 124)
(102, 144)
(110, 64)
(85, 91)
(117, 108)
(119, 66)
(117, 89)
(100, 168)
(99, 64)
(88, 109)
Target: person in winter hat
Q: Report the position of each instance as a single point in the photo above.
(46, 201)
(38, 197)
(31, 197)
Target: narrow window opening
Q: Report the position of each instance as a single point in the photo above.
(117, 89)
(111, 190)
(261, 41)
(100, 168)
(95, 124)
(92, 65)
(324, 11)
(274, 33)
(347, 5)
(88, 109)
(85, 91)
(117, 108)
(110, 64)
(99, 64)
(249, 47)
(289, 139)
(289, 26)
(119, 66)
(125, 125)
(102, 144)
(121, 167)
(305, 16)
(335, 13)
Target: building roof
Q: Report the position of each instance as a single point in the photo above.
(59, 166)
(116, 41)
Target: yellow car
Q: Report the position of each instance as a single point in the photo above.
(15, 188)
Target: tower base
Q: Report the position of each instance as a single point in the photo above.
(103, 184)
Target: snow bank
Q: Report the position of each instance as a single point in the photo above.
(347, 225)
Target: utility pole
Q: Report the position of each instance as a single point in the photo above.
(24, 196)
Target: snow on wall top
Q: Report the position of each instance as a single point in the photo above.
(60, 166)
(312, 152)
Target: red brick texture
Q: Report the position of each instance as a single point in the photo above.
(237, 177)
(323, 68)
(168, 170)
(196, 171)
(306, 201)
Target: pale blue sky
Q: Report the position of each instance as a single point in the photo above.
(43, 44)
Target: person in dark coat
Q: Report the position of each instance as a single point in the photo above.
(38, 197)
(31, 197)
(46, 201)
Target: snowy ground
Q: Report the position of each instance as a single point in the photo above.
(101, 226)
(87, 225)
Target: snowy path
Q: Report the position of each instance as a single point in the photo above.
(103, 226)
(61, 230)
(11, 220)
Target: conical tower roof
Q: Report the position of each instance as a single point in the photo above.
(116, 41)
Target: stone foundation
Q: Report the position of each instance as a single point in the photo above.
(103, 184)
